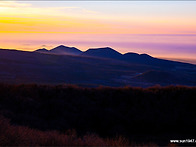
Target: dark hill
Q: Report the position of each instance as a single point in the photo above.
(105, 52)
(61, 50)
(43, 50)
(134, 57)
(151, 61)
(65, 50)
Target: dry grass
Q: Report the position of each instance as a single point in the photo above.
(11, 135)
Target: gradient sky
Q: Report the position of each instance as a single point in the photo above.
(160, 28)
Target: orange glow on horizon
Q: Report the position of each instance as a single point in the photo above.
(27, 27)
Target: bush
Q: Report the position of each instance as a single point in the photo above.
(23, 136)
(154, 114)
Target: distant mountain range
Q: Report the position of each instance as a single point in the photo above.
(107, 52)
(94, 67)
(62, 50)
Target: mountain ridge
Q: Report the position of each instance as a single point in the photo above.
(61, 50)
(127, 57)
(105, 52)
(27, 67)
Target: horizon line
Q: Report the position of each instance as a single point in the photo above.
(179, 59)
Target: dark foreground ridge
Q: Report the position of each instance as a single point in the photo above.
(152, 115)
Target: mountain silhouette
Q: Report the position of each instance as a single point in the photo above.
(62, 50)
(66, 50)
(43, 50)
(94, 67)
(105, 52)
(134, 57)
(149, 60)
(146, 59)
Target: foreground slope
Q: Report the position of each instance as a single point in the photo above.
(155, 114)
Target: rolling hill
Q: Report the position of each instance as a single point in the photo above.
(105, 52)
(101, 66)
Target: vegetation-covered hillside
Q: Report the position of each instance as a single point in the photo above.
(155, 114)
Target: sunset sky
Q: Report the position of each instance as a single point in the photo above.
(160, 28)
